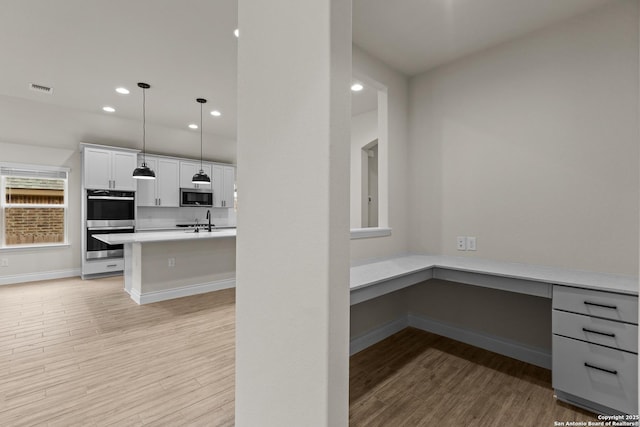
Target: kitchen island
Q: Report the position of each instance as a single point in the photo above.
(171, 264)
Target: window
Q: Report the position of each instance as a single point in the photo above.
(369, 160)
(33, 205)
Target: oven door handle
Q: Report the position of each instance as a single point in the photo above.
(109, 228)
(109, 198)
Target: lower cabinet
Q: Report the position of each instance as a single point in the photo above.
(115, 265)
(595, 349)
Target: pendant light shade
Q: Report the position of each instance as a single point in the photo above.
(201, 177)
(144, 171)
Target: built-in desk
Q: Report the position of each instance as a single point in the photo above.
(373, 279)
(595, 318)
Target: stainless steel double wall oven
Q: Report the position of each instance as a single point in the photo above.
(108, 212)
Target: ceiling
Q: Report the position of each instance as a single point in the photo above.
(414, 36)
(84, 49)
(186, 49)
(363, 101)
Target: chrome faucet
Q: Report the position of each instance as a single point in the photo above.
(197, 228)
(209, 218)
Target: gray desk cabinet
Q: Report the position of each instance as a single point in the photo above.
(595, 349)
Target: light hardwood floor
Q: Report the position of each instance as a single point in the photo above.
(76, 352)
(82, 353)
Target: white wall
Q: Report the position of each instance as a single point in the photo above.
(375, 313)
(532, 146)
(512, 317)
(397, 92)
(64, 260)
(38, 133)
(292, 293)
(368, 316)
(364, 129)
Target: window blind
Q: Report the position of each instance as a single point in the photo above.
(34, 172)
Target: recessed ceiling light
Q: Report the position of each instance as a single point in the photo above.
(193, 126)
(357, 87)
(122, 90)
(108, 109)
(216, 113)
(236, 32)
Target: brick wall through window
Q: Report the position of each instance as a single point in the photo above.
(33, 207)
(26, 226)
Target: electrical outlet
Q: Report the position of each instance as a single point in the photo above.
(171, 262)
(4, 262)
(461, 243)
(471, 243)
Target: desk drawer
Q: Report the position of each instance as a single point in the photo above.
(606, 376)
(599, 331)
(596, 303)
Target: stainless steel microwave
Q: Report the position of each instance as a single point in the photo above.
(196, 197)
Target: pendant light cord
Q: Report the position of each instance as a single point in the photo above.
(201, 170)
(144, 127)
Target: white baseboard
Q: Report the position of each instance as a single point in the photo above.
(156, 296)
(43, 275)
(370, 338)
(513, 349)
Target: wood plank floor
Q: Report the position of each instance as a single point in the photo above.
(81, 353)
(415, 378)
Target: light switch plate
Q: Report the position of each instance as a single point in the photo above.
(461, 243)
(171, 262)
(4, 262)
(471, 243)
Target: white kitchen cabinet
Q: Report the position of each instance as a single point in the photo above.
(188, 169)
(224, 178)
(164, 190)
(109, 169)
(146, 195)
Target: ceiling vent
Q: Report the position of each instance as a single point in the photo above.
(41, 88)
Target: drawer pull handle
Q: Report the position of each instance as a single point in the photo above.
(608, 371)
(112, 265)
(612, 307)
(606, 334)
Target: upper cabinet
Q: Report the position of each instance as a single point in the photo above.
(112, 169)
(224, 178)
(109, 169)
(164, 190)
(188, 169)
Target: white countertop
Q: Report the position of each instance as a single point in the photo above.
(381, 270)
(176, 228)
(378, 271)
(163, 236)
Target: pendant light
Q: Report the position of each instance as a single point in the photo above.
(201, 177)
(144, 172)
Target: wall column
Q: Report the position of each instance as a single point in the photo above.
(292, 293)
